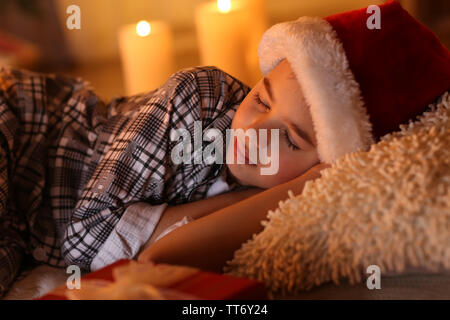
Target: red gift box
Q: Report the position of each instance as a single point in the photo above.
(201, 285)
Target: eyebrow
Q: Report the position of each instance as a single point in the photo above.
(302, 133)
(268, 88)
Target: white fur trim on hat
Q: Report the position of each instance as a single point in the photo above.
(318, 59)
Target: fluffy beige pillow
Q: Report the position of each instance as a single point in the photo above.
(389, 207)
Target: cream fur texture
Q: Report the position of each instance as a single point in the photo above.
(389, 207)
(318, 59)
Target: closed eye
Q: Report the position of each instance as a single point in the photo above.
(289, 141)
(258, 100)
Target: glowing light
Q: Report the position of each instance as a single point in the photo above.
(143, 28)
(224, 5)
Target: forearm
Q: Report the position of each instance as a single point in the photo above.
(199, 209)
(210, 241)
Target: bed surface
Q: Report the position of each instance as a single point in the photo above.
(42, 279)
(409, 287)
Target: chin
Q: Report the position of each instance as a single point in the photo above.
(239, 175)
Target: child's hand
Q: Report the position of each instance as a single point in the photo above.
(314, 172)
(297, 184)
(319, 167)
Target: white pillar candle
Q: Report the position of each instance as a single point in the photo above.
(228, 33)
(146, 51)
(257, 25)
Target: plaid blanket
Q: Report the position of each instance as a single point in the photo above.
(75, 181)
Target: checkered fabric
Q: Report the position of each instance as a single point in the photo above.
(75, 180)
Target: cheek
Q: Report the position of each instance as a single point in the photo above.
(292, 166)
(289, 168)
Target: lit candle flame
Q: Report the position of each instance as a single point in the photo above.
(143, 28)
(224, 5)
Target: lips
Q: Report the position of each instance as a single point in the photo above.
(244, 155)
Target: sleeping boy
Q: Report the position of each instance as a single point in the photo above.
(85, 188)
(79, 186)
(331, 86)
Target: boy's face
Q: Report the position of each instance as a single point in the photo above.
(276, 102)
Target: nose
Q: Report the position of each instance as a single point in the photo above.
(260, 125)
(263, 122)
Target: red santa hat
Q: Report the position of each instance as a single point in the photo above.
(360, 83)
